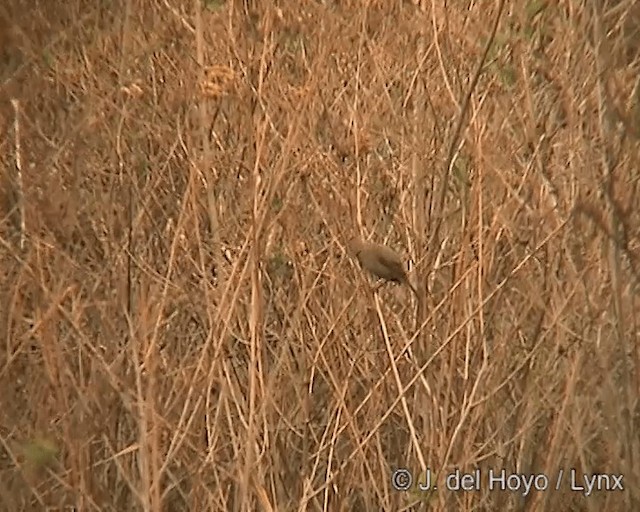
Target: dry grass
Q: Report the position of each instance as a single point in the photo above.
(181, 327)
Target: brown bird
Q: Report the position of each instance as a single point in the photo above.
(381, 261)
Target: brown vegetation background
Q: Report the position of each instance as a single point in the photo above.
(181, 327)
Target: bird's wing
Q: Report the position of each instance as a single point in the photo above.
(392, 263)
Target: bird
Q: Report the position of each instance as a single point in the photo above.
(381, 261)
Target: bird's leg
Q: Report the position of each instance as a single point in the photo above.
(378, 285)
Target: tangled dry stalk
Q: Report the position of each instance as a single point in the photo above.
(181, 327)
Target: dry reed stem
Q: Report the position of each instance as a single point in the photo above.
(181, 328)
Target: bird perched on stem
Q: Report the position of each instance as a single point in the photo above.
(381, 261)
